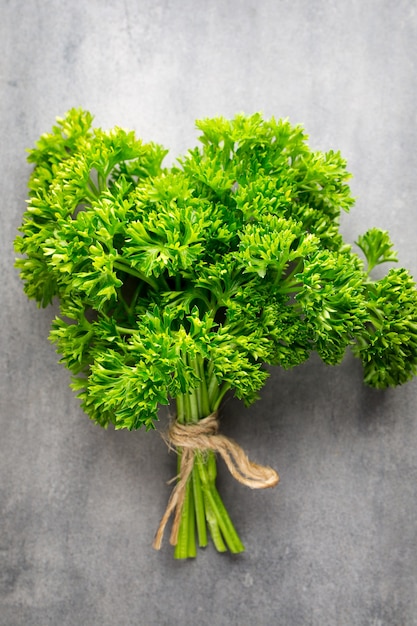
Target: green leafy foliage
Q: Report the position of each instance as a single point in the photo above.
(377, 247)
(173, 281)
(388, 345)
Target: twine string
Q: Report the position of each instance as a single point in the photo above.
(200, 436)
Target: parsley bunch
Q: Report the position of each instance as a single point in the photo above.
(179, 284)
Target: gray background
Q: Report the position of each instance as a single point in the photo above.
(335, 543)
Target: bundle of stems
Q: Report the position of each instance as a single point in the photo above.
(203, 507)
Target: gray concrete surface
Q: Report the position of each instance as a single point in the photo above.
(336, 542)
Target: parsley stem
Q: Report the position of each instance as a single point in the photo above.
(205, 404)
(213, 524)
(123, 330)
(181, 548)
(92, 190)
(125, 267)
(223, 390)
(223, 521)
(180, 408)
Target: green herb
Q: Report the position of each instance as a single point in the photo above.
(179, 284)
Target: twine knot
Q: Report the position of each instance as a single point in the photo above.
(200, 436)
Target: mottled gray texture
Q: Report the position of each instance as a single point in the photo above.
(336, 542)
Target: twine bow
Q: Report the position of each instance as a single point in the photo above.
(203, 435)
